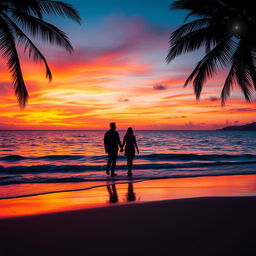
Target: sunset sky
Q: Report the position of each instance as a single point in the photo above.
(118, 73)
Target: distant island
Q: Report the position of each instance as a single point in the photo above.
(246, 127)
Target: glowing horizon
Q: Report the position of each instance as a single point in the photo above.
(118, 73)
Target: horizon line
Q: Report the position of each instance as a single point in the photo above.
(105, 129)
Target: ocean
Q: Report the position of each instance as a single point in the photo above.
(70, 160)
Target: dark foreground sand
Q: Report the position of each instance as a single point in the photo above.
(200, 226)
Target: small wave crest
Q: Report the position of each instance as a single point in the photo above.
(193, 157)
(151, 157)
(11, 158)
(85, 168)
(60, 157)
(122, 177)
(69, 168)
(92, 168)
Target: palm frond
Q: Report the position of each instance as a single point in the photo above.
(240, 72)
(9, 51)
(229, 82)
(188, 28)
(207, 8)
(192, 41)
(24, 6)
(186, 4)
(59, 8)
(189, 15)
(252, 67)
(216, 21)
(28, 44)
(42, 30)
(218, 57)
(21, 19)
(243, 75)
(208, 44)
(40, 7)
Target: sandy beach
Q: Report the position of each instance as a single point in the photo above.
(185, 216)
(198, 226)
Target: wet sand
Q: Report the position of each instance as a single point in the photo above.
(112, 192)
(196, 226)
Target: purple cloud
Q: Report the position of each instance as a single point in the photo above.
(213, 98)
(160, 87)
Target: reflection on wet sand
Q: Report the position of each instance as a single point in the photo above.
(131, 196)
(113, 196)
(151, 190)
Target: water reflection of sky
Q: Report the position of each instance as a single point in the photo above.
(86, 147)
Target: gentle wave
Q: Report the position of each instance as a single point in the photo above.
(13, 158)
(156, 157)
(54, 169)
(79, 173)
(205, 157)
(94, 168)
(121, 177)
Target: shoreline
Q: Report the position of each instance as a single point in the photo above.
(195, 226)
(117, 181)
(122, 193)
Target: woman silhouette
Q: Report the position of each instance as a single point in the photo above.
(130, 144)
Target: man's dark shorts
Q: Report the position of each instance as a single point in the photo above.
(112, 155)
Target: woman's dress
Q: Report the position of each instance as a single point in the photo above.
(129, 145)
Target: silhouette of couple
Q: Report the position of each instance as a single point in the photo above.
(111, 144)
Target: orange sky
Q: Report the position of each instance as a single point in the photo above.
(125, 80)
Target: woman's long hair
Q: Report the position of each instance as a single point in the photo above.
(129, 132)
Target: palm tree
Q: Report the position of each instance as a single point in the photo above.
(227, 31)
(22, 19)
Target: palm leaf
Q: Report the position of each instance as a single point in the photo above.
(28, 44)
(239, 72)
(9, 51)
(251, 64)
(218, 57)
(192, 41)
(42, 30)
(25, 6)
(188, 28)
(209, 8)
(40, 7)
(186, 4)
(20, 19)
(215, 27)
(59, 8)
(243, 75)
(225, 93)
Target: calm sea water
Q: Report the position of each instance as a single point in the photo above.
(31, 158)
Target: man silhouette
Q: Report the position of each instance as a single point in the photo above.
(111, 143)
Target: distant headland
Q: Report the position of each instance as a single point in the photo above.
(246, 127)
